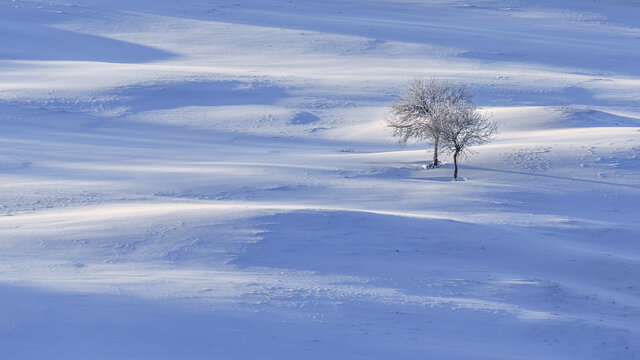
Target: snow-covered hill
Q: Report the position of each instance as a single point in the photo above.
(198, 179)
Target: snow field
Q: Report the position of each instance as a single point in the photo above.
(195, 180)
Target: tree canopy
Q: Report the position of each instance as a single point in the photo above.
(440, 112)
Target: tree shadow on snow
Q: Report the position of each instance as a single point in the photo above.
(586, 181)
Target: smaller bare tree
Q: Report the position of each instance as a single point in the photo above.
(460, 126)
(413, 115)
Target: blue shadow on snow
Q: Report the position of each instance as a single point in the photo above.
(47, 43)
(197, 93)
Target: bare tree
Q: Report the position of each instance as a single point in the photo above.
(413, 114)
(460, 126)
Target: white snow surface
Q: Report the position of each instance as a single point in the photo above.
(213, 180)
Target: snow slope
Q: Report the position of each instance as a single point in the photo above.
(196, 180)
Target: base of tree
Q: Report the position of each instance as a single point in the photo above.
(459, 178)
(431, 165)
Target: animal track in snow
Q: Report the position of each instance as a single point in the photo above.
(528, 159)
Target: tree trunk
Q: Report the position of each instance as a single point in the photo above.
(455, 164)
(435, 152)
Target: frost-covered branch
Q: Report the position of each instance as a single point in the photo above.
(412, 114)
